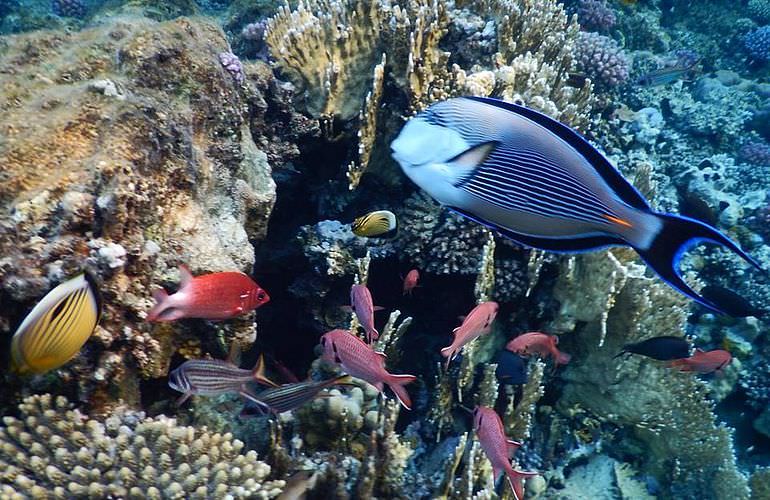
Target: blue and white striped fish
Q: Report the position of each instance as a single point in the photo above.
(212, 377)
(538, 182)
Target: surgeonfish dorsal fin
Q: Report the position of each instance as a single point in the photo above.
(185, 276)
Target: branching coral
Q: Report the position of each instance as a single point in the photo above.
(602, 59)
(55, 451)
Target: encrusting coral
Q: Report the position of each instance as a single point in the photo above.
(54, 451)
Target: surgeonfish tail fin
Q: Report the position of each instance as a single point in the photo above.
(259, 373)
(396, 384)
(674, 238)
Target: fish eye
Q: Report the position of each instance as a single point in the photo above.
(261, 296)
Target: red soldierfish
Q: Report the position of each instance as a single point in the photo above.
(478, 322)
(498, 448)
(361, 361)
(703, 362)
(361, 303)
(538, 343)
(212, 296)
(410, 282)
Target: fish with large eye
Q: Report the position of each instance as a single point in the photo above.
(536, 181)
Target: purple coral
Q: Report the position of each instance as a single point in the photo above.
(69, 8)
(757, 43)
(232, 64)
(601, 59)
(757, 153)
(254, 32)
(595, 15)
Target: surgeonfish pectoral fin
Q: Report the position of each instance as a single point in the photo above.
(185, 276)
(676, 235)
(474, 156)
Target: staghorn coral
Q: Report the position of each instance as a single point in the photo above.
(54, 451)
(601, 59)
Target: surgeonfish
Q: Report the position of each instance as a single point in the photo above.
(362, 304)
(213, 296)
(478, 322)
(410, 282)
(703, 362)
(361, 361)
(541, 344)
(664, 348)
(212, 377)
(57, 327)
(498, 448)
(289, 397)
(538, 182)
(375, 224)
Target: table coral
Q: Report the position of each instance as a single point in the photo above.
(54, 451)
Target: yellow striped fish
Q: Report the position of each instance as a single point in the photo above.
(373, 224)
(57, 327)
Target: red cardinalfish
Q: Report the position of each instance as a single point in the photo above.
(542, 344)
(361, 361)
(498, 448)
(214, 296)
(703, 362)
(361, 303)
(410, 282)
(212, 377)
(478, 322)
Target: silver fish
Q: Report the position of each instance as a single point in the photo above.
(538, 182)
(212, 377)
(289, 397)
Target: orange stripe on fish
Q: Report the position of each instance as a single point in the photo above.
(618, 220)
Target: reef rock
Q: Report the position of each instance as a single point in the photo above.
(126, 150)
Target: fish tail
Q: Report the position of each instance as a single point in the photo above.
(562, 358)
(396, 384)
(514, 479)
(676, 235)
(160, 296)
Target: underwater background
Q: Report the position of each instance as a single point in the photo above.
(247, 135)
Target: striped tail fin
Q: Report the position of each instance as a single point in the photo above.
(675, 237)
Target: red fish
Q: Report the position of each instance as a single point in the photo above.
(361, 303)
(538, 343)
(478, 322)
(361, 361)
(498, 448)
(213, 296)
(410, 282)
(703, 362)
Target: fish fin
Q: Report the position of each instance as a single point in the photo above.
(514, 479)
(341, 380)
(381, 355)
(472, 158)
(675, 237)
(263, 407)
(513, 443)
(259, 373)
(454, 330)
(396, 384)
(185, 276)
(372, 334)
(624, 351)
(378, 308)
(558, 245)
(347, 309)
(562, 358)
(160, 296)
(184, 397)
(624, 189)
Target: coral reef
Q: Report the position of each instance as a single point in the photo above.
(54, 451)
(759, 10)
(595, 15)
(601, 58)
(757, 153)
(69, 8)
(757, 43)
(116, 173)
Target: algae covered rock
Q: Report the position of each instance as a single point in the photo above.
(126, 150)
